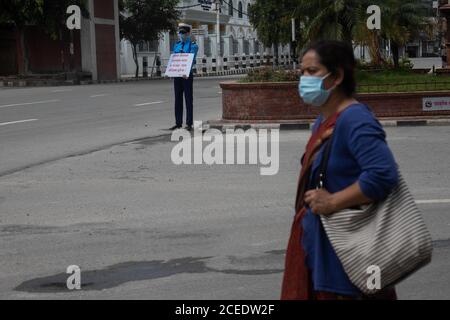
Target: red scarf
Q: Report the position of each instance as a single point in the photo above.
(296, 281)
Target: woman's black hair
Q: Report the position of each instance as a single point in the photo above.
(334, 55)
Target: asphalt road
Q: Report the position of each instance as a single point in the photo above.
(140, 227)
(63, 121)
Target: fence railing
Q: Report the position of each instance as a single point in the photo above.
(205, 65)
(438, 85)
(155, 65)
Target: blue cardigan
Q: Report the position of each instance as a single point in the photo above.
(359, 153)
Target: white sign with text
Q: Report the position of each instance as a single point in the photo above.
(179, 65)
(436, 103)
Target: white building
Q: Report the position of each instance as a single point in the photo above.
(237, 39)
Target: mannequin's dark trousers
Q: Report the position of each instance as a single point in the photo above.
(184, 87)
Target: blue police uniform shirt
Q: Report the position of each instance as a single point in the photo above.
(186, 47)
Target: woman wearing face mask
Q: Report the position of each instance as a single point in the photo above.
(361, 169)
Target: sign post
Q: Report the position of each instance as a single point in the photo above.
(294, 44)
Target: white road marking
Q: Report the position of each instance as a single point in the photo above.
(19, 121)
(433, 201)
(62, 90)
(28, 103)
(148, 103)
(98, 95)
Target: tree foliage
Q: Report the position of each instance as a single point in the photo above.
(54, 15)
(402, 20)
(344, 20)
(48, 15)
(145, 20)
(272, 21)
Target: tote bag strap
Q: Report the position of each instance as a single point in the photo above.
(320, 181)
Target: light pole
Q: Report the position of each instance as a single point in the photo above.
(217, 8)
(294, 44)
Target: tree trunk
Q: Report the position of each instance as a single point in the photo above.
(136, 62)
(24, 53)
(275, 60)
(61, 47)
(348, 32)
(395, 54)
(374, 49)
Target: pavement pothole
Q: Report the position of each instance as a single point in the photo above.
(118, 274)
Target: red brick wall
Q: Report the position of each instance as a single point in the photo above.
(45, 53)
(266, 102)
(104, 9)
(105, 41)
(19, 52)
(106, 52)
(8, 47)
(281, 101)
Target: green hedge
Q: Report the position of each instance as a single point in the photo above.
(403, 80)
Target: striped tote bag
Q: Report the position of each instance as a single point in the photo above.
(382, 243)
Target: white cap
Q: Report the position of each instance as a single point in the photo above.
(185, 26)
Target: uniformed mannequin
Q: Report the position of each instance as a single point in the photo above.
(184, 85)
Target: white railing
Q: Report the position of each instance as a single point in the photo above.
(226, 64)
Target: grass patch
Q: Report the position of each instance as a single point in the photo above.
(400, 81)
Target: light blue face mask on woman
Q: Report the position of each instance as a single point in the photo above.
(311, 90)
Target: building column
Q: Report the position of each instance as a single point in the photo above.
(117, 36)
(100, 43)
(164, 46)
(128, 65)
(227, 46)
(252, 46)
(212, 43)
(445, 11)
(201, 45)
(240, 45)
(88, 46)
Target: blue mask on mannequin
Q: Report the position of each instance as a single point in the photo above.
(312, 92)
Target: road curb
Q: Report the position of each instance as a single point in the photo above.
(307, 124)
(34, 83)
(415, 123)
(56, 83)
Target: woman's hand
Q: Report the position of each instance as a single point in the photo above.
(320, 201)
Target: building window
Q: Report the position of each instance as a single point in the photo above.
(230, 8)
(235, 46)
(248, 9)
(240, 10)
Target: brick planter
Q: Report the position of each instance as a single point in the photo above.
(281, 101)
